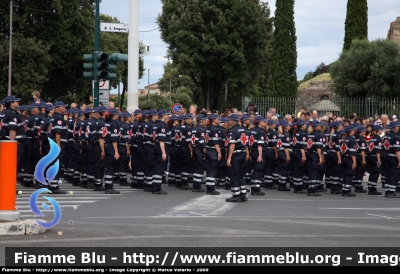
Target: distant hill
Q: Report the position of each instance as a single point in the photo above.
(324, 77)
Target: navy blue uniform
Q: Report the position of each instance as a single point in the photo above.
(257, 141)
(374, 149)
(391, 146)
(124, 137)
(142, 155)
(186, 131)
(133, 129)
(348, 149)
(91, 138)
(223, 179)
(160, 135)
(269, 175)
(58, 128)
(31, 148)
(77, 153)
(212, 138)
(284, 143)
(299, 143)
(360, 146)
(148, 140)
(111, 138)
(100, 132)
(84, 140)
(314, 142)
(198, 144)
(336, 177)
(238, 137)
(174, 175)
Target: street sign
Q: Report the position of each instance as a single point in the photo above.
(103, 85)
(176, 108)
(113, 27)
(104, 97)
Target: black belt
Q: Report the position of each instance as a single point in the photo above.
(239, 151)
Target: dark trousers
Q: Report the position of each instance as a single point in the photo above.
(123, 163)
(298, 170)
(91, 169)
(77, 162)
(284, 169)
(347, 173)
(394, 172)
(111, 164)
(374, 172)
(134, 163)
(54, 183)
(186, 164)
(85, 163)
(258, 170)
(359, 173)
(312, 167)
(21, 160)
(31, 151)
(269, 167)
(175, 167)
(335, 169)
(199, 167)
(211, 168)
(236, 174)
(158, 171)
(70, 159)
(141, 164)
(149, 164)
(100, 166)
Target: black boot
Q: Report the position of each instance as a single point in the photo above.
(282, 187)
(335, 189)
(359, 189)
(373, 191)
(243, 198)
(299, 190)
(348, 194)
(392, 194)
(234, 199)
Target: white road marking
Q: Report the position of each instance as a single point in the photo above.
(386, 217)
(203, 205)
(360, 208)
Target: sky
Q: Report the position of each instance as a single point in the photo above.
(319, 30)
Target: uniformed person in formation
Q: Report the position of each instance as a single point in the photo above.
(349, 162)
(111, 140)
(213, 154)
(257, 153)
(160, 136)
(237, 157)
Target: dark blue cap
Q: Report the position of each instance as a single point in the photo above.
(201, 117)
(316, 123)
(361, 129)
(259, 118)
(32, 106)
(392, 125)
(377, 127)
(224, 120)
(162, 112)
(59, 104)
(283, 123)
(234, 117)
(152, 112)
(173, 117)
(48, 107)
(1, 103)
(214, 116)
(180, 117)
(112, 111)
(187, 116)
(300, 122)
(96, 109)
(350, 128)
(102, 109)
(335, 124)
(23, 107)
(342, 132)
(125, 114)
(89, 110)
(244, 118)
(271, 122)
(11, 99)
(137, 112)
(73, 110)
(81, 112)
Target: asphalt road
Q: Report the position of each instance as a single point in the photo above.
(186, 219)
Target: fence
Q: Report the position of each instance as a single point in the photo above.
(364, 107)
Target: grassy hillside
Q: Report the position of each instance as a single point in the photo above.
(320, 78)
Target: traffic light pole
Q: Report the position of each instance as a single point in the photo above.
(96, 91)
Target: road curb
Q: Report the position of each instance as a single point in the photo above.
(21, 227)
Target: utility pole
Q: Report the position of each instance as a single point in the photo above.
(96, 92)
(133, 56)
(148, 84)
(119, 100)
(10, 49)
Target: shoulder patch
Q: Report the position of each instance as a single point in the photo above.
(59, 122)
(163, 130)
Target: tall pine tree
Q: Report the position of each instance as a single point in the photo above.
(356, 25)
(283, 81)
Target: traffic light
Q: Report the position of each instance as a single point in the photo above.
(88, 66)
(102, 65)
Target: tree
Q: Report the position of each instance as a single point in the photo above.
(321, 68)
(216, 42)
(283, 80)
(356, 24)
(368, 69)
(307, 76)
(50, 38)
